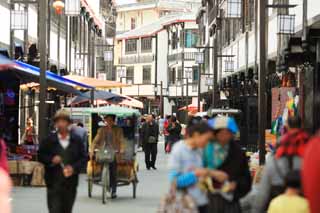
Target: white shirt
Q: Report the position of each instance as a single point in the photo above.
(64, 142)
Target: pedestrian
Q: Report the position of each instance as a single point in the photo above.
(288, 157)
(142, 121)
(63, 156)
(80, 131)
(174, 130)
(29, 136)
(311, 166)
(224, 154)
(291, 200)
(166, 133)
(111, 138)
(185, 163)
(150, 137)
(5, 182)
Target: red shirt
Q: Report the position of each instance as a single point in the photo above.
(311, 174)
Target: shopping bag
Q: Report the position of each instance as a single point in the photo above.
(168, 148)
(175, 202)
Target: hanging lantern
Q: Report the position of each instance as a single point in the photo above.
(58, 5)
(72, 8)
(234, 8)
(286, 24)
(19, 20)
(229, 65)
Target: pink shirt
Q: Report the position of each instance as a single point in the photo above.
(3, 156)
(5, 189)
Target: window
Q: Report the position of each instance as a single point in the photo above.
(174, 40)
(195, 73)
(172, 76)
(131, 46)
(146, 44)
(133, 23)
(191, 38)
(130, 75)
(146, 75)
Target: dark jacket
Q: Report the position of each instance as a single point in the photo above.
(149, 130)
(236, 166)
(74, 155)
(174, 132)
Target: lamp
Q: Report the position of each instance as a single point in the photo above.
(155, 89)
(199, 58)
(189, 74)
(234, 8)
(79, 64)
(108, 55)
(229, 66)
(19, 20)
(209, 81)
(58, 5)
(122, 73)
(286, 24)
(72, 7)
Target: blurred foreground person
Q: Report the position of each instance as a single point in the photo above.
(186, 167)
(288, 157)
(311, 166)
(150, 137)
(63, 155)
(5, 182)
(291, 200)
(226, 155)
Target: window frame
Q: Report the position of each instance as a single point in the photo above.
(130, 77)
(149, 69)
(128, 46)
(146, 44)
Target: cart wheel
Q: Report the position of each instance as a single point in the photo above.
(90, 186)
(134, 189)
(105, 184)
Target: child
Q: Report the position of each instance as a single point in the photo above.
(291, 201)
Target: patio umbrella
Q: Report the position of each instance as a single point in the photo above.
(98, 95)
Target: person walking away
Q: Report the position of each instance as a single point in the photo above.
(5, 181)
(150, 135)
(291, 200)
(174, 130)
(111, 138)
(166, 133)
(288, 157)
(186, 167)
(63, 156)
(224, 154)
(79, 130)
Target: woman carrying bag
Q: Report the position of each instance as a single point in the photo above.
(224, 154)
(186, 170)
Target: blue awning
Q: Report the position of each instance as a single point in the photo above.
(51, 76)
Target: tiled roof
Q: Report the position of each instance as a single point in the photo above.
(155, 27)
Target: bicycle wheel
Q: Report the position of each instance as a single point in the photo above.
(105, 183)
(90, 186)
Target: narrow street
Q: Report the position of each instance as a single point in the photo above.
(152, 186)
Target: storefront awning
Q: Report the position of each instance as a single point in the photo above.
(96, 83)
(51, 76)
(28, 73)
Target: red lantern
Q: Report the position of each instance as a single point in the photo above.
(58, 5)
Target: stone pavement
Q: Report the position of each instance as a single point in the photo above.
(152, 186)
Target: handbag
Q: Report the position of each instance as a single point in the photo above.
(177, 203)
(152, 139)
(104, 155)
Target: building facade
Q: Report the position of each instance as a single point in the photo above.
(234, 35)
(141, 51)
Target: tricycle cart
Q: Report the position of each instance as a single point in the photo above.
(127, 166)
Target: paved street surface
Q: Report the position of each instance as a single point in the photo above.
(152, 186)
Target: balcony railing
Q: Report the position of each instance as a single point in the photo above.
(188, 56)
(136, 59)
